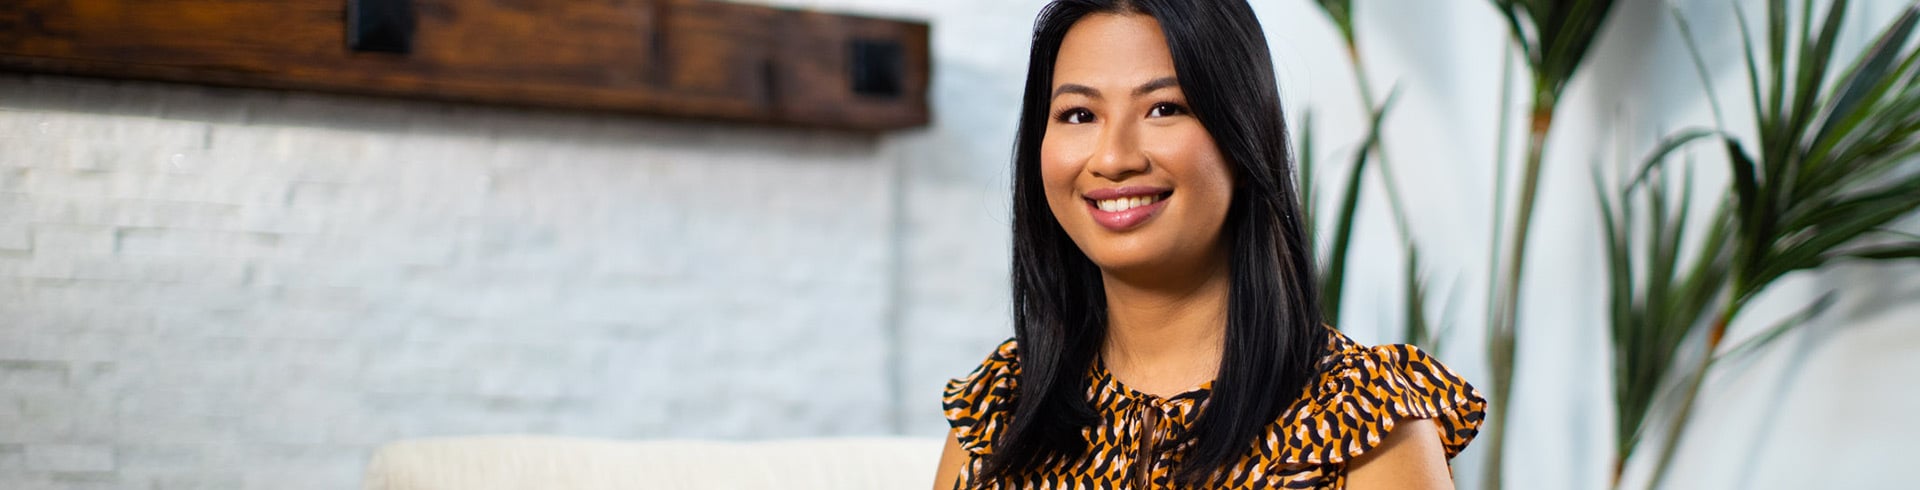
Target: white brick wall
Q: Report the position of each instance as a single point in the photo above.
(211, 288)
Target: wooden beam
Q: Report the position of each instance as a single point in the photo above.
(684, 58)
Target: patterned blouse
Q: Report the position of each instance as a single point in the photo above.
(1361, 391)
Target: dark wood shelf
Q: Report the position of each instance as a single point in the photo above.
(684, 58)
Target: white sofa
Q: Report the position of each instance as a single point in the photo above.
(558, 463)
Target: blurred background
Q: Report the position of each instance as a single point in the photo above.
(241, 288)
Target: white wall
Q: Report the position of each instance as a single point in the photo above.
(217, 289)
(209, 288)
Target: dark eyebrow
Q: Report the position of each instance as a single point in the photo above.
(1143, 89)
(1156, 84)
(1074, 88)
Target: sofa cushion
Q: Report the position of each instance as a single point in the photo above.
(558, 463)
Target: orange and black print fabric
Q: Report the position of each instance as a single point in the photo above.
(1359, 395)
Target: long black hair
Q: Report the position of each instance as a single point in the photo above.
(1274, 335)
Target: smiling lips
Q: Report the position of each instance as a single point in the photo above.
(1124, 208)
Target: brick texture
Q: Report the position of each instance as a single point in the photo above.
(255, 296)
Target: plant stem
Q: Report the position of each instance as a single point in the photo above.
(1496, 429)
(1502, 129)
(1505, 335)
(1495, 432)
(1679, 421)
(1619, 466)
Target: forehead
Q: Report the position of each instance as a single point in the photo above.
(1113, 50)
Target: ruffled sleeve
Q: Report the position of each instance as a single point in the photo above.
(1362, 392)
(978, 405)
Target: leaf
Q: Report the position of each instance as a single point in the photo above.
(1666, 147)
(1862, 128)
(1826, 212)
(1619, 256)
(1699, 66)
(1307, 186)
(1865, 214)
(1528, 44)
(1746, 187)
(1753, 66)
(1815, 56)
(1777, 62)
(1341, 13)
(1418, 330)
(1869, 71)
(1845, 129)
(1349, 209)
(1885, 252)
(1899, 233)
(1774, 332)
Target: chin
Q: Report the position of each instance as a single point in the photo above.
(1130, 254)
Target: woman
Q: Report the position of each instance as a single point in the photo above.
(1165, 334)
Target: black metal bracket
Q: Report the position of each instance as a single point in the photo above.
(876, 67)
(380, 25)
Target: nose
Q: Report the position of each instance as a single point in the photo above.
(1118, 155)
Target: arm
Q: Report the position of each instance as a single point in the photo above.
(1411, 457)
(951, 459)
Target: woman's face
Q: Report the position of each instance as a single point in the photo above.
(1131, 175)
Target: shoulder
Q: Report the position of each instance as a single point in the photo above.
(1362, 392)
(977, 405)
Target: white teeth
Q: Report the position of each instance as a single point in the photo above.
(1124, 203)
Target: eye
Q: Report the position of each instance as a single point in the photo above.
(1074, 115)
(1166, 109)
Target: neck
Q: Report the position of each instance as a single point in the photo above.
(1165, 333)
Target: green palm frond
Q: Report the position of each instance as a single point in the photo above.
(1656, 296)
(1834, 153)
(1555, 36)
(1332, 277)
(1341, 13)
(1831, 165)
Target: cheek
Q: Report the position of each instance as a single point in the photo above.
(1059, 166)
(1216, 176)
(1202, 170)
